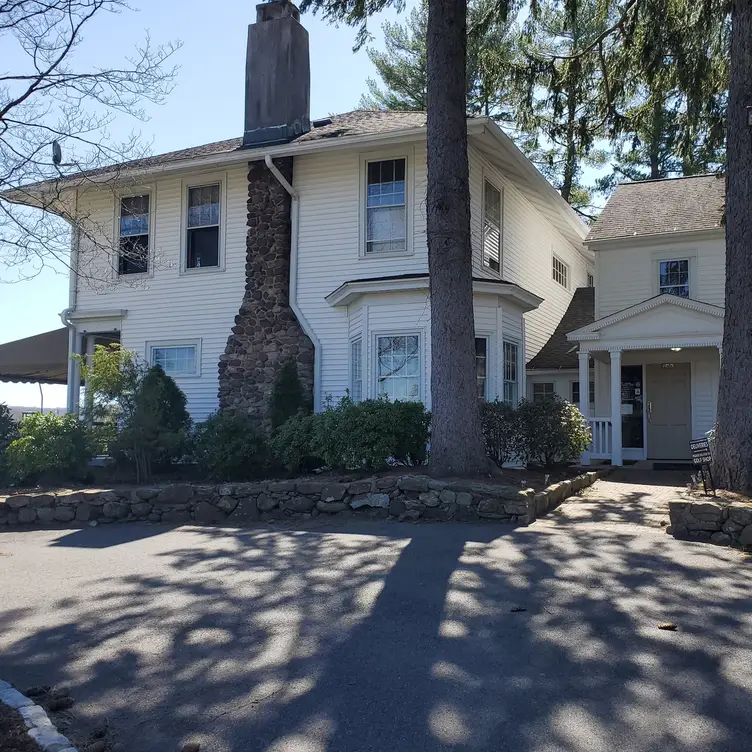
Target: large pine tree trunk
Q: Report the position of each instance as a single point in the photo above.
(456, 437)
(733, 460)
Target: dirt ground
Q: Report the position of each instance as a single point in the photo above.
(13, 736)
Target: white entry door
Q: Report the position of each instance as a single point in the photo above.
(669, 411)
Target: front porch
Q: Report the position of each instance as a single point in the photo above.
(656, 369)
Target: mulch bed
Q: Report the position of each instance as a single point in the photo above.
(13, 735)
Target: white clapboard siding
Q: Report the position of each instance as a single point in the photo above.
(168, 306)
(628, 274)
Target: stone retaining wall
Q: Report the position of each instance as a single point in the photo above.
(724, 524)
(409, 497)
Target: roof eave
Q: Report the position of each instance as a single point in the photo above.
(597, 243)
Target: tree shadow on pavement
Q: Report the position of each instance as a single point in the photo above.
(386, 636)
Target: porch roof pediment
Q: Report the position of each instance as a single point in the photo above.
(656, 320)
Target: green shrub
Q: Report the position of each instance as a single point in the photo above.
(500, 431)
(8, 433)
(552, 431)
(353, 436)
(154, 424)
(292, 444)
(51, 448)
(228, 446)
(288, 396)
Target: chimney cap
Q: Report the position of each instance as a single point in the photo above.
(276, 9)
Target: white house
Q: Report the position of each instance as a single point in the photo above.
(306, 240)
(656, 337)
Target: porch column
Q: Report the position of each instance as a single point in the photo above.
(74, 371)
(584, 359)
(616, 453)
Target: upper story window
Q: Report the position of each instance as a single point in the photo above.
(590, 280)
(481, 366)
(386, 215)
(674, 277)
(202, 223)
(511, 387)
(543, 391)
(560, 272)
(492, 218)
(398, 367)
(175, 360)
(133, 245)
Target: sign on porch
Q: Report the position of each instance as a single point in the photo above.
(703, 457)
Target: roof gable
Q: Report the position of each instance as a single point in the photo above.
(659, 207)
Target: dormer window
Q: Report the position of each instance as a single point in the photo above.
(674, 278)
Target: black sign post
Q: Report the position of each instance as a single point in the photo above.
(703, 458)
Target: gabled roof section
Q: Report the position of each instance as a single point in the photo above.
(590, 331)
(559, 352)
(660, 207)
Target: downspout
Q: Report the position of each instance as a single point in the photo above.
(294, 219)
(73, 380)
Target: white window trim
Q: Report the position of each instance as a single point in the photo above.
(556, 257)
(363, 374)
(490, 338)
(380, 156)
(151, 344)
(521, 378)
(196, 181)
(144, 190)
(485, 177)
(690, 257)
(374, 377)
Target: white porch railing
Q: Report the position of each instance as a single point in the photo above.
(600, 447)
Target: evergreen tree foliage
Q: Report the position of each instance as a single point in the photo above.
(288, 395)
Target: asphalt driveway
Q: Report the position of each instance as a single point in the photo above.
(346, 637)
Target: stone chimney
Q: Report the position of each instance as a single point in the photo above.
(277, 76)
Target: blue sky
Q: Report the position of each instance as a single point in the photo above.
(206, 105)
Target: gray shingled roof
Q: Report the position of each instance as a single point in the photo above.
(559, 352)
(652, 207)
(356, 123)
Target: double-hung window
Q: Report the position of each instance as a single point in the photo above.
(175, 360)
(511, 385)
(356, 370)
(543, 391)
(492, 227)
(590, 280)
(576, 392)
(398, 367)
(133, 247)
(674, 277)
(560, 272)
(202, 223)
(481, 366)
(386, 215)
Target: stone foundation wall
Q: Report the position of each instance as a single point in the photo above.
(724, 524)
(266, 332)
(410, 497)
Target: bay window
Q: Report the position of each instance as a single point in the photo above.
(398, 364)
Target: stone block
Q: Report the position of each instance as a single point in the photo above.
(42, 500)
(410, 515)
(397, 507)
(555, 493)
(27, 515)
(116, 510)
(154, 517)
(331, 507)
(33, 716)
(86, 512)
(429, 498)
(245, 511)
(146, 494)
(175, 495)
(436, 513)
(437, 485)
(141, 509)
(566, 486)
(297, 504)
(741, 515)
(693, 524)
(366, 486)
(731, 527)
(283, 486)
(416, 483)
(225, 490)
(464, 499)
(64, 514)
(179, 517)
(13, 698)
(447, 497)
(381, 484)
(226, 503)
(707, 512)
(541, 503)
(721, 539)
(310, 487)
(46, 515)
(745, 537)
(266, 502)
(205, 513)
(18, 501)
(249, 489)
(49, 739)
(380, 500)
(492, 509)
(334, 491)
(106, 497)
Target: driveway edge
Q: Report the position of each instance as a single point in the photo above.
(40, 727)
